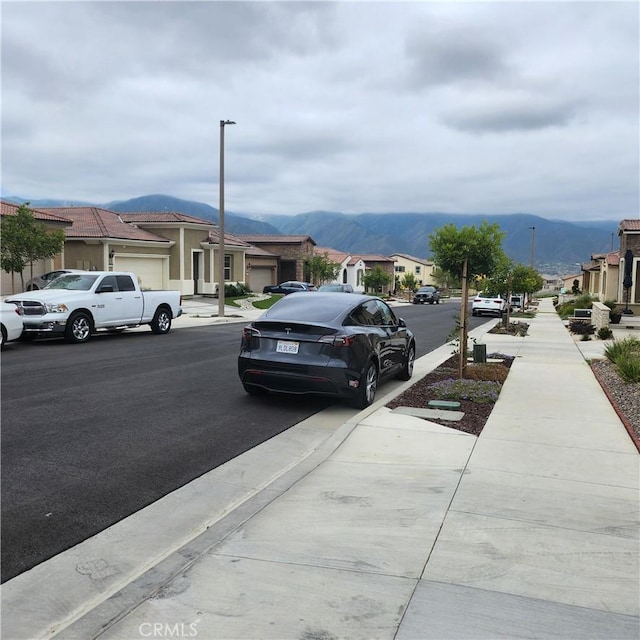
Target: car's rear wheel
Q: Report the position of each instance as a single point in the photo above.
(368, 386)
(79, 327)
(3, 336)
(161, 322)
(407, 367)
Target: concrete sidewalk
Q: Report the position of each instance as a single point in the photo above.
(386, 526)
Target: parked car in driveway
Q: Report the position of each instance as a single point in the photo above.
(329, 344)
(426, 294)
(40, 282)
(10, 323)
(483, 303)
(336, 288)
(291, 286)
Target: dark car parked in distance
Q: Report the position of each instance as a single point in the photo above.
(336, 288)
(291, 286)
(329, 344)
(426, 294)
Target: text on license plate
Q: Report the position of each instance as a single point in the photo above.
(284, 346)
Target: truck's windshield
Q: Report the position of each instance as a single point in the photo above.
(76, 281)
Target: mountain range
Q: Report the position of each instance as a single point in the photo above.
(558, 246)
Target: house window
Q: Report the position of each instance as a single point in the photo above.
(228, 264)
(399, 269)
(418, 271)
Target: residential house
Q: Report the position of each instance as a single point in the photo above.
(352, 268)
(194, 254)
(166, 250)
(261, 268)
(386, 264)
(629, 233)
(601, 276)
(291, 253)
(10, 283)
(567, 281)
(422, 270)
(551, 283)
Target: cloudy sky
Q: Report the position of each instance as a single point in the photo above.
(495, 107)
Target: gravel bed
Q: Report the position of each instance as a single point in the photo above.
(624, 397)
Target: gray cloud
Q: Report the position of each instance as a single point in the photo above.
(379, 106)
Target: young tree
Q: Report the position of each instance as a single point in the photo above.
(24, 240)
(376, 279)
(409, 282)
(467, 253)
(321, 269)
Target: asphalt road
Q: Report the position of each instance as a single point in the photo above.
(92, 433)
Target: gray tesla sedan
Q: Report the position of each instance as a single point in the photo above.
(329, 344)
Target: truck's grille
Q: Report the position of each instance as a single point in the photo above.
(31, 307)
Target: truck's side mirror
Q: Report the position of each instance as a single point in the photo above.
(105, 288)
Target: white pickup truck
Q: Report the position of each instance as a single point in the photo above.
(76, 305)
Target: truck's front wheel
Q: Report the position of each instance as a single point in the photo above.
(78, 327)
(161, 322)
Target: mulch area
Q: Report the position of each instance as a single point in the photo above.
(475, 414)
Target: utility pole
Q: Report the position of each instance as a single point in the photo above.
(221, 223)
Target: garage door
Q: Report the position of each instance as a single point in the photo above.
(150, 271)
(260, 277)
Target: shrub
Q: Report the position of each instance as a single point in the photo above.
(619, 348)
(236, 290)
(584, 301)
(486, 371)
(580, 327)
(480, 391)
(605, 333)
(628, 366)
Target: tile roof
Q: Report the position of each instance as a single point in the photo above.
(275, 239)
(93, 222)
(333, 254)
(613, 259)
(408, 257)
(629, 225)
(376, 258)
(257, 252)
(10, 209)
(229, 239)
(164, 217)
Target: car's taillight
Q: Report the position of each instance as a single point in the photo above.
(338, 340)
(250, 332)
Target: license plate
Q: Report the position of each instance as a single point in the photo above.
(287, 347)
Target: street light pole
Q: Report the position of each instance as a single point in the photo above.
(221, 223)
(533, 243)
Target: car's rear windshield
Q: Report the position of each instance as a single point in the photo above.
(316, 308)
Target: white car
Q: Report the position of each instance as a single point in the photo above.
(40, 282)
(483, 303)
(10, 323)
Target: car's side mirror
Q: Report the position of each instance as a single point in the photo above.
(401, 322)
(105, 288)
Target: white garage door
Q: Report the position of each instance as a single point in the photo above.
(150, 271)
(260, 277)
